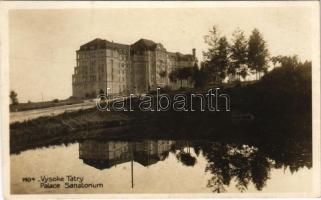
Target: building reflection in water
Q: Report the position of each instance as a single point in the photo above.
(106, 154)
(103, 155)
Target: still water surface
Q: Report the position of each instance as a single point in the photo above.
(163, 166)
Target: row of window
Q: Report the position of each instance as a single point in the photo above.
(114, 72)
(91, 62)
(100, 63)
(94, 78)
(84, 69)
(121, 75)
(121, 53)
(113, 88)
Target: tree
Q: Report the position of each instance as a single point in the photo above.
(101, 94)
(238, 54)
(184, 73)
(217, 56)
(212, 41)
(221, 59)
(173, 76)
(14, 97)
(198, 76)
(286, 61)
(257, 53)
(181, 74)
(275, 60)
(162, 74)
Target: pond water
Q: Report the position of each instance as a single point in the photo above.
(162, 166)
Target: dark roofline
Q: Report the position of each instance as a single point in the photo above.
(141, 44)
(182, 57)
(102, 44)
(144, 44)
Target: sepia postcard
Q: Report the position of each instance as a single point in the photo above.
(160, 99)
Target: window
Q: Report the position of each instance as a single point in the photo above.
(112, 69)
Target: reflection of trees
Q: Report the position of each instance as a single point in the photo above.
(260, 168)
(218, 166)
(242, 163)
(184, 156)
(246, 164)
(165, 155)
(293, 155)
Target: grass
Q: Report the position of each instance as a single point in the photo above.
(45, 104)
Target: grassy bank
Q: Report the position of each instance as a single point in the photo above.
(45, 104)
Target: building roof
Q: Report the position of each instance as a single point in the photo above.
(181, 57)
(145, 159)
(140, 45)
(105, 163)
(102, 44)
(185, 57)
(144, 44)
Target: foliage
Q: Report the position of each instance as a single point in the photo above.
(101, 92)
(217, 57)
(198, 76)
(14, 97)
(212, 41)
(162, 74)
(242, 57)
(238, 63)
(257, 53)
(181, 74)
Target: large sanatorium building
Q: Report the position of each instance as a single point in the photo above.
(124, 69)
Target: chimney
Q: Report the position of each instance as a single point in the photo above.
(194, 53)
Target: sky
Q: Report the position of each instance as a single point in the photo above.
(43, 43)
